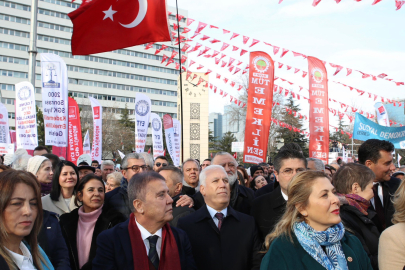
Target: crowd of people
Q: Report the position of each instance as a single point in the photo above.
(294, 213)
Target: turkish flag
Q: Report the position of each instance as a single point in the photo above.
(107, 25)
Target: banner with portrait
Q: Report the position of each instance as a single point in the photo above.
(142, 113)
(157, 139)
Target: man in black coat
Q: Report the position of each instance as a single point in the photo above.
(377, 155)
(268, 209)
(241, 197)
(191, 173)
(221, 238)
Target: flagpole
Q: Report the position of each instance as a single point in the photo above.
(181, 84)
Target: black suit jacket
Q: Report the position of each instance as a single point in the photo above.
(114, 250)
(189, 191)
(235, 247)
(118, 199)
(179, 211)
(265, 190)
(267, 210)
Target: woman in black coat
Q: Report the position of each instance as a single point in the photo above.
(81, 227)
(354, 183)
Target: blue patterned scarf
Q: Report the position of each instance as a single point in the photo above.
(311, 241)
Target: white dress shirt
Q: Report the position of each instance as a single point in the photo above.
(284, 196)
(145, 234)
(212, 212)
(23, 262)
(380, 194)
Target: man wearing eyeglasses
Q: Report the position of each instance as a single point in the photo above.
(267, 209)
(160, 161)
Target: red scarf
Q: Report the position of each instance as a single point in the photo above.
(359, 202)
(169, 255)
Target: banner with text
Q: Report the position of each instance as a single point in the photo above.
(169, 134)
(54, 99)
(365, 129)
(97, 149)
(318, 110)
(382, 114)
(260, 103)
(86, 144)
(4, 127)
(6, 148)
(177, 141)
(142, 112)
(75, 149)
(25, 116)
(157, 138)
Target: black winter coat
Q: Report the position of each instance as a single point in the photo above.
(179, 211)
(362, 227)
(69, 223)
(118, 199)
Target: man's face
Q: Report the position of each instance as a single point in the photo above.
(205, 164)
(384, 166)
(191, 173)
(40, 152)
(94, 164)
(173, 189)
(107, 169)
(257, 172)
(159, 163)
(265, 171)
(128, 173)
(271, 169)
(229, 165)
(289, 168)
(84, 172)
(217, 191)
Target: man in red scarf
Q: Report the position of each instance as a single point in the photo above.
(145, 241)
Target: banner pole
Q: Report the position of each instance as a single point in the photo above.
(33, 43)
(181, 83)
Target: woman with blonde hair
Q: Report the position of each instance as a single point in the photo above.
(20, 222)
(392, 241)
(310, 234)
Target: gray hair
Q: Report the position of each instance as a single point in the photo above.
(137, 186)
(108, 163)
(124, 163)
(147, 158)
(203, 174)
(318, 164)
(188, 160)
(116, 176)
(21, 162)
(224, 154)
(176, 172)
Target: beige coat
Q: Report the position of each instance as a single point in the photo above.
(59, 207)
(391, 248)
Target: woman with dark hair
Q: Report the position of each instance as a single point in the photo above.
(81, 227)
(62, 196)
(310, 234)
(245, 175)
(354, 183)
(258, 182)
(20, 222)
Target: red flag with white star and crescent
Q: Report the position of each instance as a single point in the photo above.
(107, 25)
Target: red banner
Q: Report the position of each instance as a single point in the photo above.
(318, 110)
(59, 151)
(75, 146)
(260, 103)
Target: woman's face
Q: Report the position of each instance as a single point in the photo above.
(21, 211)
(260, 181)
(322, 210)
(68, 177)
(367, 193)
(92, 195)
(111, 184)
(45, 172)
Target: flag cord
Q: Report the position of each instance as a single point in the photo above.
(181, 84)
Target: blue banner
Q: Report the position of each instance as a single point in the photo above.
(365, 129)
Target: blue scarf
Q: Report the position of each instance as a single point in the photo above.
(312, 240)
(47, 261)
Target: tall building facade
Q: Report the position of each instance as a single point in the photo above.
(215, 125)
(113, 78)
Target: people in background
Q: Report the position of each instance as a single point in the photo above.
(98, 172)
(148, 160)
(95, 163)
(160, 161)
(245, 175)
(54, 160)
(310, 234)
(399, 174)
(315, 164)
(113, 181)
(329, 171)
(191, 172)
(258, 182)
(41, 168)
(107, 167)
(206, 163)
(84, 169)
(256, 170)
(41, 150)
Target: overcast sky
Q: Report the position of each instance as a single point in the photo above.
(352, 34)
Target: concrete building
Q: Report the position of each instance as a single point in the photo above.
(237, 127)
(215, 125)
(195, 117)
(113, 78)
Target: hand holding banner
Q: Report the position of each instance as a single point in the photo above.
(142, 112)
(157, 138)
(97, 151)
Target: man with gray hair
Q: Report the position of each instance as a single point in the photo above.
(148, 160)
(166, 247)
(107, 167)
(241, 197)
(315, 164)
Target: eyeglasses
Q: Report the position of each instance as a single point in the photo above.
(163, 164)
(136, 168)
(291, 171)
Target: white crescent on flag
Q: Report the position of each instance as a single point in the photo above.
(143, 8)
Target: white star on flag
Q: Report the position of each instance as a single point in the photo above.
(109, 13)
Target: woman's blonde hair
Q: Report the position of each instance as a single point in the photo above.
(399, 204)
(298, 191)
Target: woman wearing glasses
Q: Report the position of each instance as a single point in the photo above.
(62, 196)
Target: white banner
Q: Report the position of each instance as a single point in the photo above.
(382, 115)
(157, 138)
(238, 146)
(142, 112)
(169, 134)
(4, 127)
(55, 99)
(25, 116)
(177, 141)
(86, 144)
(6, 148)
(121, 154)
(97, 149)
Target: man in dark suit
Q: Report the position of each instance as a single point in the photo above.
(221, 238)
(241, 196)
(145, 240)
(377, 155)
(174, 179)
(191, 172)
(268, 209)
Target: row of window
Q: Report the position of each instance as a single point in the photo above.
(54, 39)
(53, 13)
(13, 60)
(16, 74)
(11, 115)
(14, 19)
(56, 27)
(62, 3)
(14, 32)
(11, 101)
(14, 5)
